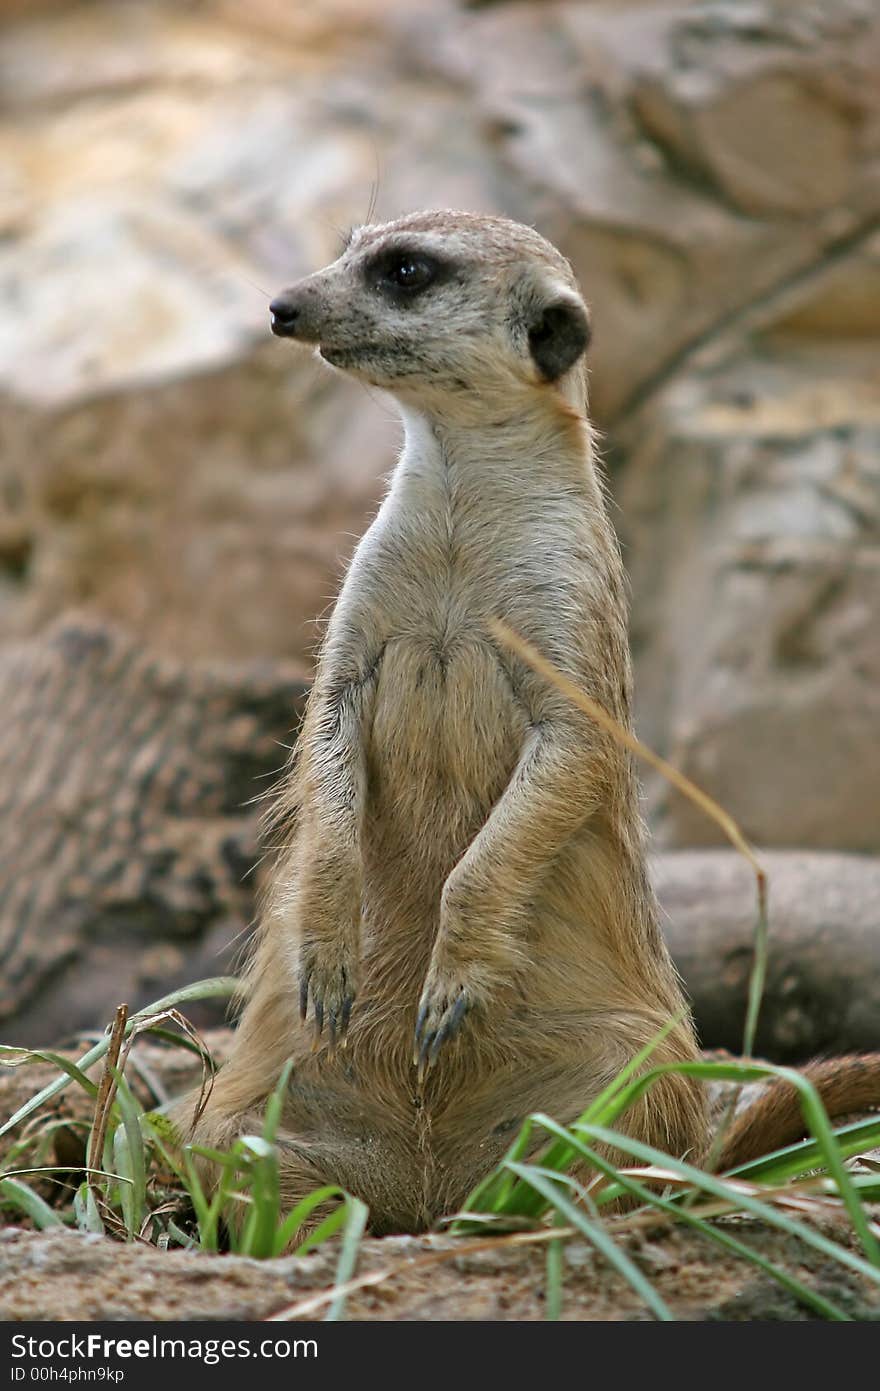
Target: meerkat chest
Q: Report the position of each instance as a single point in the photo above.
(454, 546)
(447, 727)
(450, 557)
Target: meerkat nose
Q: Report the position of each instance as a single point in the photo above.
(284, 316)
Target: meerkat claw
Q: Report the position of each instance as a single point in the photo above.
(331, 1035)
(424, 1059)
(331, 995)
(459, 1010)
(428, 1042)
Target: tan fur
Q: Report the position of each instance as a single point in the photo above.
(846, 1086)
(460, 840)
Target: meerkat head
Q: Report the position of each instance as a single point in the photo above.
(445, 310)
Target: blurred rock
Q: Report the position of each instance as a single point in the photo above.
(166, 462)
(129, 824)
(167, 168)
(662, 146)
(751, 518)
(212, 515)
(749, 84)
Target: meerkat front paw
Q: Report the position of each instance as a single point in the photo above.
(327, 978)
(328, 963)
(443, 1005)
(452, 991)
(473, 958)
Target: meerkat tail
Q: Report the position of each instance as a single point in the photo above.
(845, 1085)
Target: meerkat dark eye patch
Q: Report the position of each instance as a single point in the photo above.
(557, 337)
(403, 274)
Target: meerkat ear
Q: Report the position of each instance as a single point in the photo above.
(559, 332)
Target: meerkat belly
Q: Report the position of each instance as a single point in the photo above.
(445, 738)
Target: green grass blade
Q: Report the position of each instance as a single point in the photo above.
(596, 1110)
(494, 1190)
(206, 1216)
(260, 1233)
(85, 1210)
(131, 1114)
(175, 1040)
(217, 987)
(262, 1184)
(19, 1196)
(868, 1186)
(74, 1072)
(355, 1225)
(227, 1159)
(597, 1236)
(496, 1187)
(330, 1225)
(554, 1281)
(275, 1104)
(559, 1155)
(744, 1202)
(815, 1116)
(522, 1200)
(301, 1213)
(180, 1237)
(758, 974)
(793, 1160)
(680, 1213)
(123, 1165)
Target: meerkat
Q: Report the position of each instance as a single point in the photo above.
(463, 902)
(460, 929)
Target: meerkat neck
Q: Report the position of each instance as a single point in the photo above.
(537, 447)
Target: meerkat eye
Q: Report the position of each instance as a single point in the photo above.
(405, 273)
(410, 272)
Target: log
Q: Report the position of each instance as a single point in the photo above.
(823, 981)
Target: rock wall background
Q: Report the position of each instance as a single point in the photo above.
(711, 168)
